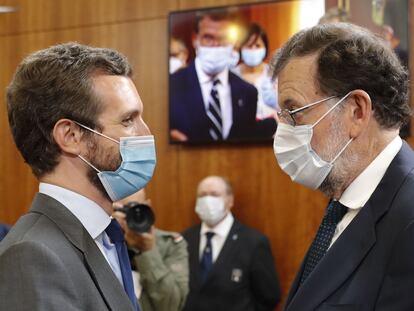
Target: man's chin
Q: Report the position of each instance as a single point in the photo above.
(329, 186)
(96, 182)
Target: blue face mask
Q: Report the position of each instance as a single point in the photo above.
(136, 169)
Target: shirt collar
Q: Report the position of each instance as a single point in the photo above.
(204, 78)
(361, 189)
(91, 215)
(222, 229)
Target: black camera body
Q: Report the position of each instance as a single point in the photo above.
(139, 217)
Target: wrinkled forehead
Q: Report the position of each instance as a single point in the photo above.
(298, 80)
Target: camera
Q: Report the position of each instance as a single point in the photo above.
(139, 217)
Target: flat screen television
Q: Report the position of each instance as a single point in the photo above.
(219, 87)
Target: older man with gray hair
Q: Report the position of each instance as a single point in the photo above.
(344, 97)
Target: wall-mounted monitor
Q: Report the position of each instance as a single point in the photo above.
(219, 88)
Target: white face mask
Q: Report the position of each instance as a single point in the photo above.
(253, 57)
(175, 64)
(210, 209)
(294, 153)
(214, 60)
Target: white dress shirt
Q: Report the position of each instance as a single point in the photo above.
(92, 217)
(221, 231)
(361, 189)
(224, 93)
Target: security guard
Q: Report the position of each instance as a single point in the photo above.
(160, 261)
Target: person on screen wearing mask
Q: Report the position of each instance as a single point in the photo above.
(254, 70)
(231, 265)
(208, 102)
(159, 261)
(76, 118)
(344, 97)
(178, 55)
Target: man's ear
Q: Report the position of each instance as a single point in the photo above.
(230, 199)
(67, 136)
(360, 111)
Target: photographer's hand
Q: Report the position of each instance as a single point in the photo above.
(141, 241)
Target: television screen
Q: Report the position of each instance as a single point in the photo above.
(219, 87)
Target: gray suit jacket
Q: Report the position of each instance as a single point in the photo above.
(48, 261)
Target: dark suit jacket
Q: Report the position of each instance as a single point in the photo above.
(245, 249)
(48, 261)
(188, 114)
(371, 265)
(4, 229)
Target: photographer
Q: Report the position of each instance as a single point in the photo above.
(160, 262)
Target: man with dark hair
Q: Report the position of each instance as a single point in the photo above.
(344, 97)
(208, 103)
(76, 118)
(231, 265)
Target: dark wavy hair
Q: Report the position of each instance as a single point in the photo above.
(351, 57)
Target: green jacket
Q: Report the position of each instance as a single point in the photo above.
(164, 273)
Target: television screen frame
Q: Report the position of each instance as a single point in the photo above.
(189, 102)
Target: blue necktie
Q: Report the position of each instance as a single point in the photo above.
(320, 244)
(207, 258)
(115, 233)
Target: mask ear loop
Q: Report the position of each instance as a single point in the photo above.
(330, 109)
(87, 162)
(96, 132)
(342, 150)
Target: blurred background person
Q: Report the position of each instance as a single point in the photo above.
(387, 32)
(207, 101)
(234, 58)
(178, 54)
(159, 261)
(253, 69)
(231, 265)
(4, 229)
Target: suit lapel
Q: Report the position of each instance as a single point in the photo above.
(354, 243)
(193, 241)
(101, 273)
(338, 263)
(104, 278)
(237, 100)
(196, 101)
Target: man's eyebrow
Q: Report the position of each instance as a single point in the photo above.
(129, 113)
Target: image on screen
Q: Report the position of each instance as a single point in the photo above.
(220, 90)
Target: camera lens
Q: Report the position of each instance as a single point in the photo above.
(139, 217)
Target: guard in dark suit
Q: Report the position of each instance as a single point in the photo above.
(348, 91)
(241, 275)
(188, 113)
